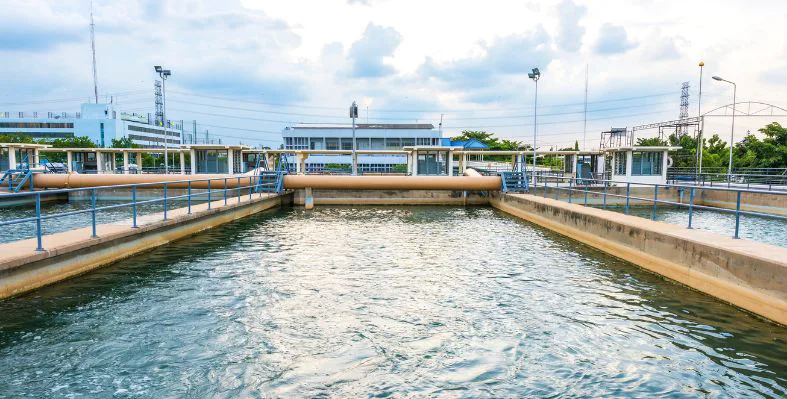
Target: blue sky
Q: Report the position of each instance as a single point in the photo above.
(246, 68)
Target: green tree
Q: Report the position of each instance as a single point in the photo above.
(124, 142)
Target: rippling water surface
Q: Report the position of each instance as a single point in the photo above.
(382, 302)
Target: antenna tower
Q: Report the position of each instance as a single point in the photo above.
(684, 106)
(159, 104)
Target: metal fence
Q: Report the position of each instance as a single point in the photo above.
(578, 191)
(217, 189)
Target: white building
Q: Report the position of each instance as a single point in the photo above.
(369, 136)
(100, 122)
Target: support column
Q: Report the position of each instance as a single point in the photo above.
(99, 162)
(230, 161)
(413, 159)
(125, 162)
(462, 163)
(36, 157)
(139, 162)
(193, 156)
(69, 161)
(11, 158)
(182, 163)
(513, 163)
(450, 163)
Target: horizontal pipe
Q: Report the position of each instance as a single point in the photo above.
(74, 180)
(482, 183)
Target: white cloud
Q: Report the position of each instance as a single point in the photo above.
(613, 39)
(569, 32)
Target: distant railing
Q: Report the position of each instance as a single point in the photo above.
(257, 184)
(600, 188)
(766, 181)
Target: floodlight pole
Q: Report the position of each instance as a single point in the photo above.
(701, 126)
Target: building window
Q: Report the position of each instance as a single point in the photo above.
(347, 144)
(620, 163)
(646, 163)
(393, 144)
(331, 143)
(36, 125)
(316, 144)
(378, 144)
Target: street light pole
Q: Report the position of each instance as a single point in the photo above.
(701, 125)
(732, 132)
(353, 115)
(164, 73)
(535, 75)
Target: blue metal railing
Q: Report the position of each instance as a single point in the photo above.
(252, 187)
(570, 186)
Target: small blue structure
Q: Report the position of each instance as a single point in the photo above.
(472, 144)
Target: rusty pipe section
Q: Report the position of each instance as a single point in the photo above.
(463, 183)
(74, 180)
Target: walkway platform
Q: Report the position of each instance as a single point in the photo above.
(70, 253)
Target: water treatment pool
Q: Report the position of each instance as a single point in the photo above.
(382, 302)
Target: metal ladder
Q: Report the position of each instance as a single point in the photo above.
(514, 182)
(15, 179)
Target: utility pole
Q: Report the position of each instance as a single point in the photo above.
(93, 47)
(585, 125)
(702, 124)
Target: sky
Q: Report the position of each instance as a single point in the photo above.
(245, 69)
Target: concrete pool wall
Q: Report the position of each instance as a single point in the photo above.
(750, 275)
(73, 252)
(744, 273)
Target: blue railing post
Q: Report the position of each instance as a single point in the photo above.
(239, 190)
(570, 190)
(557, 182)
(628, 198)
(208, 194)
(93, 201)
(605, 193)
(691, 205)
(40, 247)
(165, 201)
(251, 187)
(586, 195)
(134, 207)
(655, 200)
(225, 191)
(188, 197)
(737, 215)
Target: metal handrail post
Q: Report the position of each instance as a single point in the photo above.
(188, 197)
(655, 200)
(40, 247)
(134, 207)
(208, 194)
(251, 186)
(691, 206)
(628, 197)
(570, 189)
(239, 190)
(225, 191)
(93, 201)
(605, 194)
(586, 195)
(738, 215)
(165, 201)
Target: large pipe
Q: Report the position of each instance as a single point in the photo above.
(464, 183)
(456, 183)
(74, 180)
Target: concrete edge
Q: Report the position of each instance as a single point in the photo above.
(772, 308)
(30, 273)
